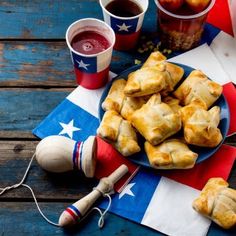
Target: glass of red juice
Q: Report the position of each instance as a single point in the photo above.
(181, 27)
(91, 43)
(126, 18)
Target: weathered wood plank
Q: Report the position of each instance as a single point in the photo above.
(24, 216)
(47, 64)
(50, 19)
(23, 109)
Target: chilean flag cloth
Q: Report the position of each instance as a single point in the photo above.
(160, 200)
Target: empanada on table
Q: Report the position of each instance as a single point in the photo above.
(218, 202)
(117, 101)
(200, 128)
(119, 132)
(197, 87)
(171, 154)
(155, 120)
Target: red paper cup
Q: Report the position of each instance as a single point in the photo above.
(127, 28)
(91, 62)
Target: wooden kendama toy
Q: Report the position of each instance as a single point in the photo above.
(60, 154)
(74, 213)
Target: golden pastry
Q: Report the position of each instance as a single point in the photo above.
(117, 101)
(155, 120)
(119, 132)
(218, 202)
(200, 126)
(176, 72)
(154, 59)
(115, 96)
(197, 87)
(146, 81)
(171, 154)
(173, 103)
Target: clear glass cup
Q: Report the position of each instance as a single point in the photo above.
(181, 32)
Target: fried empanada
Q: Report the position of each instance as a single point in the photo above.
(218, 202)
(176, 72)
(115, 97)
(200, 126)
(117, 101)
(198, 88)
(155, 120)
(146, 81)
(173, 103)
(119, 132)
(171, 154)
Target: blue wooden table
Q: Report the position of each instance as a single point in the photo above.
(35, 76)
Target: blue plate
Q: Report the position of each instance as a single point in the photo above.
(203, 152)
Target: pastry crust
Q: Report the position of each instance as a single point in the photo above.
(200, 126)
(173, 103)
(171, 154)
(146, 81)
(218, 202)
(130, 105)
(115, 96)
(155, 120)
(176, 72)
(154, 59)
(197, 87)
(119, 132)
(117, 101)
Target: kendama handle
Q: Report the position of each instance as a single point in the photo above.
(76, 211)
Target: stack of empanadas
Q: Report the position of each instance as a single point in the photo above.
(218, 202)
(147, 104)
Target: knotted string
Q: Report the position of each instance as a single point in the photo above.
(21, 184)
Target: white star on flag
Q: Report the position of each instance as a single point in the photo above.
(68, 128)
(124, 27)
(82, 64)
(127, 190)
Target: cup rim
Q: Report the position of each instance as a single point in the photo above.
(124, 18)
(188, 16)
(95, 54)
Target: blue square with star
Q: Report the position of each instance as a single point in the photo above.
(85, 64)
(124, 26)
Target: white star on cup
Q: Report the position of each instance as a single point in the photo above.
(82, 64)
(124, 27)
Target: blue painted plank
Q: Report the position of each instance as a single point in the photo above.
(23, 219)
(23, 109)
(50, 19)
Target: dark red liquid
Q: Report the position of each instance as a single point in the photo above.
(124, 8)
(89, 42)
